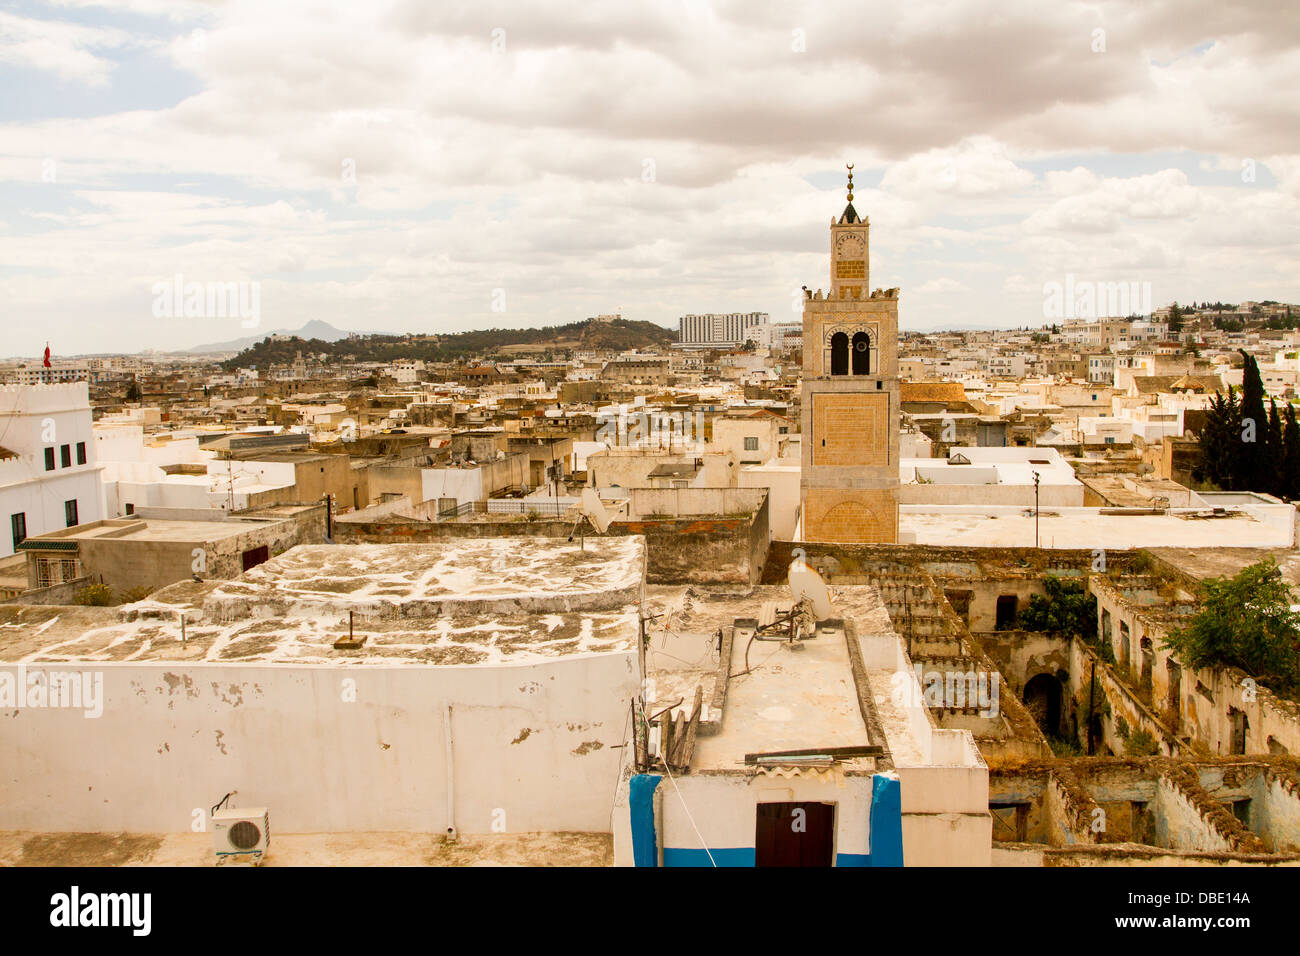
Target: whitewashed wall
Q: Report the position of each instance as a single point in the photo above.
(539, 742)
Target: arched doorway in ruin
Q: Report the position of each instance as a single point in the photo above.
(1042, 697)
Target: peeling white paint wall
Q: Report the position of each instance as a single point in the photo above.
(538, 742)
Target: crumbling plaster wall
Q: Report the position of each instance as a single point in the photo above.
(536, 747)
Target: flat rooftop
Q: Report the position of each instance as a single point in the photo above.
(478, 602)
(33, 634)
(1088, 528)
(453, 576)
(792, 698)
(294, 457)
(154, 529)
(1226, 562)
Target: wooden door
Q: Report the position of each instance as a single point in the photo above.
(795, 834)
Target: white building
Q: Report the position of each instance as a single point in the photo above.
(770, 335)
(1108, 431)
(717, 328)
(986, 477)
(1003, 365)
(173, 472)
(58, 372)
(407, 371)
(49, 478)
(1101, 368)
(526, 725)
(764, 751)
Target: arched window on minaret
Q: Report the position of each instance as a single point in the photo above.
(839, 354)
(861, 353)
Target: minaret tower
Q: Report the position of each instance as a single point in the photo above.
(849, 485)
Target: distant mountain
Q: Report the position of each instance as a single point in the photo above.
(499, 344)
(315, 329)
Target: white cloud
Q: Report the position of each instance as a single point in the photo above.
(65, 49)
(524, 168)
(941, 286)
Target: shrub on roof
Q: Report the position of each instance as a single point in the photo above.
(94, 595)
(1248, 622)
(1067, 608)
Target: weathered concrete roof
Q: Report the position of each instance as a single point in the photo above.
(790, 699)
(46, 635)
(1222, 562)
(480, 602)
(456, 576)
(931, 392)
(168, 529)
(1082, 528)
(1151, 384)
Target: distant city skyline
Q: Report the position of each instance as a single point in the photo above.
(937, 330)
(408, 169)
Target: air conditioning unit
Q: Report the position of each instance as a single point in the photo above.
(241, 832)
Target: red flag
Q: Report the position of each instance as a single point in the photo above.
(47, 354)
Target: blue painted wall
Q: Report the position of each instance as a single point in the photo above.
(886, 821)
(885, 827)
(640, 798)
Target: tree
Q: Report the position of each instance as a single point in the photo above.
(1220, 442)
(1252, 465)
(1274, 474)
(1175, 319)
(1246, 622)
(133, 393)
(1290, 455)
(1067, 608)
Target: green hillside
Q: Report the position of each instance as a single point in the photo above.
(487, 344)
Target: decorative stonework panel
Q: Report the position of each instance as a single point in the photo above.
(850, 329)
(857, 516)
(850, 429)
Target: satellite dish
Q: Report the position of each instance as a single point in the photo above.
(807, 583)
(594, 510)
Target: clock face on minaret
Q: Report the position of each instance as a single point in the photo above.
(849, 273)
(850, 245)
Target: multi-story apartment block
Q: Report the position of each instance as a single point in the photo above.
(48, 475)
(718, 328)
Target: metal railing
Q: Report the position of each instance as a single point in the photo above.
(518, 506)
(464, 508)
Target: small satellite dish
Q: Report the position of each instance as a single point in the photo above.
(594, 510)
(807, 583)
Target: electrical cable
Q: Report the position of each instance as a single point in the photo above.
(678, 791)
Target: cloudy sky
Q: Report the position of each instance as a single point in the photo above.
(437, 166)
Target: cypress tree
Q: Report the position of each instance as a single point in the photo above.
(1290, 464)
(1220, 442)
(1203, 470)
(1251, 471)
(1275, 477)
(1230, 452)
(1175, 319)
